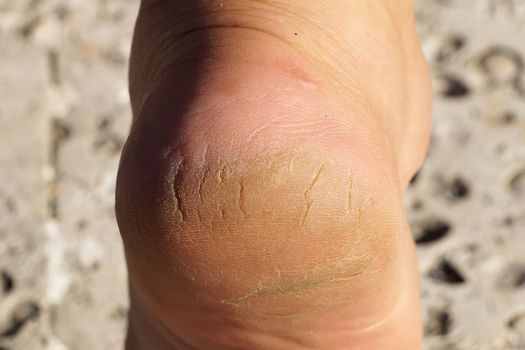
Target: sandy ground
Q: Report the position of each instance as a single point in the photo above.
(64, 115)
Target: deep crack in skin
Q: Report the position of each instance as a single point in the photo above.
(259, 193)
(307, 198)
(176, 195)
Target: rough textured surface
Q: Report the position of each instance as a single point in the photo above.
(467, 203)
(64, 116)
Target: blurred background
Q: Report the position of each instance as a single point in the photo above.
(64, 115)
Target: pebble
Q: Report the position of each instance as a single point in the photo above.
(512, 277)
(6, 283)
(438, 321)
(514, 179)
(441, 48)
(502, 65)
(15, 311)
(90, 253)
(517, 323)
(449, 86)
(47, 33)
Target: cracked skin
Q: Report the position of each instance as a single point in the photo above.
(224, 208)
(213, 201)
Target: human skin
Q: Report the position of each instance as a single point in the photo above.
(259, 194)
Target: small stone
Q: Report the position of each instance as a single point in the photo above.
(517, 323)
(6, 282)
(430, 230)
(61, 100)
(119, 53)
(446, 272)
(440, 48)
(453, 189)
(90, 253)
(120, 312)
(53, 343)
(517, 183)
(511, 277)
(439, 322)
(449, 86)
(514, 179)
(15, 315)
(459, 188)
(47, 33)
(502, 65)
(499, 114)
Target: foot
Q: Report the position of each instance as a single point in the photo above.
(259, 193)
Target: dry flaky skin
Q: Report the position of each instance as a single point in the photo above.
(82, 46)
(274, 206)
(258, 199)
(257, 243)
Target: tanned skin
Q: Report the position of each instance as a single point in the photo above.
(259, 194)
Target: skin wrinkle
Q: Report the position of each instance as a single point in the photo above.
(310, 187)
(176, 194)
(310, 281)
(273, 161)
(313, 129)
(200, 218)
(258, 25)
(261, 26)
(169, 48)
(259, 130)
(306, 211)
(204, 154)
(175, 342)
(270, 169)
(165, 54)
(359, 218)
(307, 284)
(292, 162)
(236, 301)
(241, 198)
(349, 194)
(202, 182)
(221, 174)
(309, 201)
(320, 27)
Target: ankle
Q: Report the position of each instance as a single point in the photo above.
(335, 41)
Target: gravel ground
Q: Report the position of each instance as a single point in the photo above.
(64, 115)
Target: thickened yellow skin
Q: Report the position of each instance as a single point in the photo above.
(259, 193)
